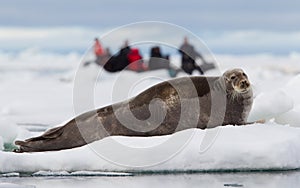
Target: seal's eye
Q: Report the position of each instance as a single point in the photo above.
(232, 77)
(244, 75)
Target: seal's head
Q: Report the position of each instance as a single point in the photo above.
(236, 80)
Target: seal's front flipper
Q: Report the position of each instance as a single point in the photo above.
(262, 121)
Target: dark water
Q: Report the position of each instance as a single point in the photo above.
(206, 180)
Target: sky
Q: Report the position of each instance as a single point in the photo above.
(231, 26)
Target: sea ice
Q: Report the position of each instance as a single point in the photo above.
(253, 147)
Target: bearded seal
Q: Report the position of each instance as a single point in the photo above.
(171, 106)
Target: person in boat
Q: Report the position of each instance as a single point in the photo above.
(159, 61)
(188, 59)
(101, 55)
(135, 60)
(131, 59)
(119, 61)
(98, 50)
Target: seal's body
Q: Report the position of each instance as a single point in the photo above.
(168, 107)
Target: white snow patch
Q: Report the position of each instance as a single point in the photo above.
(291, 117)
(293, 89)
(12, 185)
(252, 147)
(80, 173)
(268, 105)
(8, 130)
(1, 143)
(12, 174)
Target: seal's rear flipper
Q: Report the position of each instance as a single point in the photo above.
(51, 133)
(39, 143)
(23, 147)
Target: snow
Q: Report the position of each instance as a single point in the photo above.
(12, 185)
(1, 143)
(11, 174)
(292, 117)
(37, 93)
(10, 129)
(267, 105)
(235, 148)
(80, 173)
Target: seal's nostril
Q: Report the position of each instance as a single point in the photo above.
(244, 84)
(247, 83)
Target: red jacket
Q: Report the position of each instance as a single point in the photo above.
(135, 61)
(98, 50)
